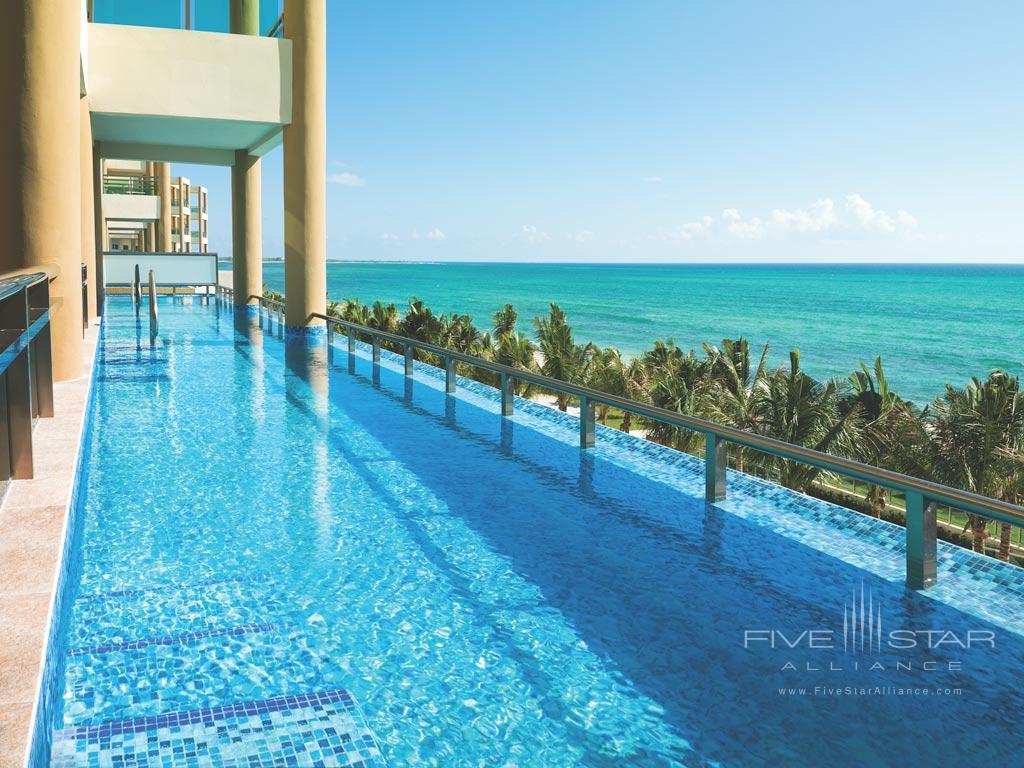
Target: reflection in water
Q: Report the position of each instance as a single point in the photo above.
(307, 374)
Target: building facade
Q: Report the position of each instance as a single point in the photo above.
(135, 218)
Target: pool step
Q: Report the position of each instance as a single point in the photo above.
(324, 728)
(157, 674)
(134, 613)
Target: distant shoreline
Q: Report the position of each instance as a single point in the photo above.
(1016, 266)
(931, 324)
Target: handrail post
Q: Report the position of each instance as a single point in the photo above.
(351, 341)
(40, 352)
(507, 397)
(587, 427)
(376, 350)
(152, 304)
(137, 290)
(85, 298)
(921, 540)
(716, 461)
(450, 383)
(408, 359)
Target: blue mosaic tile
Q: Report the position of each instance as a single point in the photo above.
(189, 637)
(324, 728)
(134, 592)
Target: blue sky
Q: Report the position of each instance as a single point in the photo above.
(667, 131)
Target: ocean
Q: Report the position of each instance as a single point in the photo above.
(931, 324)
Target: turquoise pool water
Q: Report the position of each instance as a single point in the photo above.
(281, 556)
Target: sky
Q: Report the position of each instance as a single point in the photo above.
(666, 131)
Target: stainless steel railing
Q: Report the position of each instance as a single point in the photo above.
(26, 370)
(922, 496)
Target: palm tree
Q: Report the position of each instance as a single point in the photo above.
(681, 385)
(384, 317)
(505, 321)
(419, 322)
(457, 332)
(562, 357)
(793, 407)
(890, 432)
(607, 373)
(975, 440)
(733, 383)
(634, 381)
(518, 351)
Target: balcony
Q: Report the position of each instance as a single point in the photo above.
(186, 96)
(131, 200)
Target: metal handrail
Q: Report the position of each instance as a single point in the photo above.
(274, 30)
(921, 495)
(26, 370)
(130, 185)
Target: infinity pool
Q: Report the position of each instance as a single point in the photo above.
(281, 556)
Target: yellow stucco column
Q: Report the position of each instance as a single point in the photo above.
(40, 210)
(305, 165)
(246, 229)
(99, 227)
(246, 203)
(163, 174)
(87, 201)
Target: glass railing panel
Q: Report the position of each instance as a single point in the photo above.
(150, 13)
(202, 15)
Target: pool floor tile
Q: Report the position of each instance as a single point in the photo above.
(322, 728)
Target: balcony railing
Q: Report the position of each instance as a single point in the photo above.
(922, 496)
(26, 372)
(130, 185)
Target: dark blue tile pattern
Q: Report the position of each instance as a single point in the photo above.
(323, 728)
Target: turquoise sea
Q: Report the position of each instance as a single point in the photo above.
(931, 324)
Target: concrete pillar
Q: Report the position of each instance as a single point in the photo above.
(305, 166)
(246, 207)
(99, 228)
(40, 210)
(163, 174)
(87, 201)
(151, 244)
(245, 17)
(246, 229)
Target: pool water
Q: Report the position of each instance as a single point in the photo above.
(284, 556)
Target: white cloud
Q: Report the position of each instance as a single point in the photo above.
(855, 219)
(583, 236)
(436, 234)
(389, 236)
(346, 179)
(653, 179)
(532, 235)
